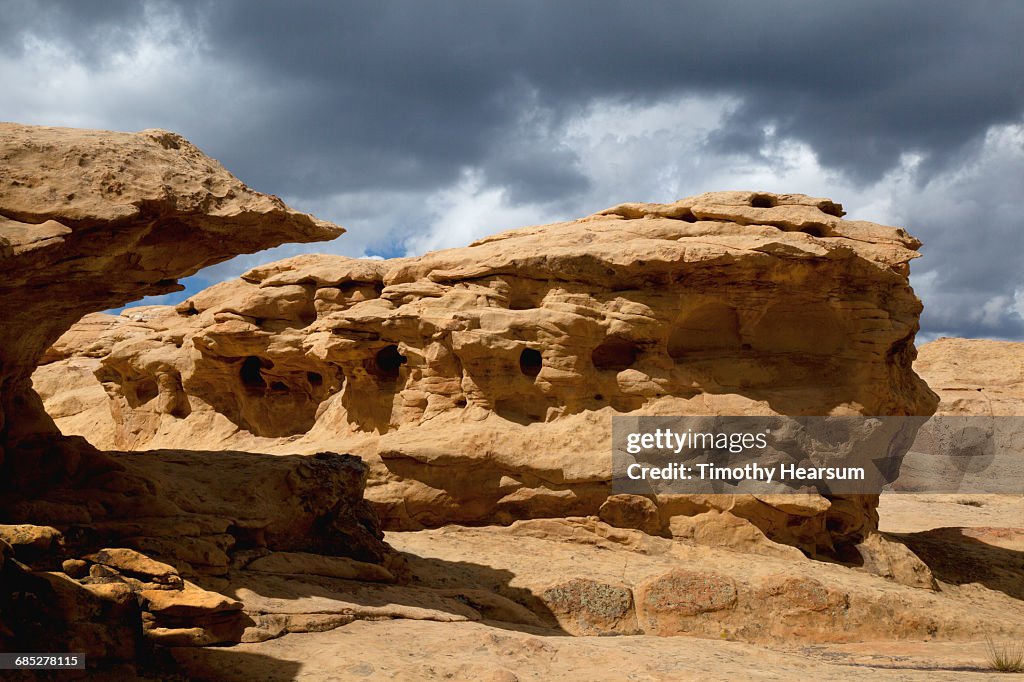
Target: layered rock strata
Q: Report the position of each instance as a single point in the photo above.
(479, 383)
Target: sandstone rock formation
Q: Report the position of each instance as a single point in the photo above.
(91, 220)
(620, 581)
(535, 578)
(479, 383)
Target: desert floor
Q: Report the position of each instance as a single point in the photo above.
(977, 580)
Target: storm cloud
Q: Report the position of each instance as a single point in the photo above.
(421, 125)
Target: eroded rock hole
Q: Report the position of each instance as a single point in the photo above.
(615, 353)
(251, 374)
(813, 230)
(314, 378)
(521, 298)
(247, 538)
(530, 362)
(520, 412)
(762, 201)
(145, 391)
(711, 327)
(388, 361)
(181, 407)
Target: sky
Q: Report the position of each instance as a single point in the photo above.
(424, 125)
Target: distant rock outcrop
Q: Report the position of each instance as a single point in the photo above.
(479, 383)
(975, 376)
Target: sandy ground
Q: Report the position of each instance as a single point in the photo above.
(912, 513)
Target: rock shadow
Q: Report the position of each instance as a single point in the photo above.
(453, 576)
(956, 557)
(437, 589)
(178, 506)
(228, 665)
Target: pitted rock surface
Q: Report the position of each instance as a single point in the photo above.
(479, 383)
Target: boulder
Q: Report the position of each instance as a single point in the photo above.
(589, 607)
(130, 562)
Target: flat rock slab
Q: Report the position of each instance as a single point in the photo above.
(421, 650)
(586, 578)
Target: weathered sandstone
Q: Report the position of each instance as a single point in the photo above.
(95, 544)
(586, 577)
(91, 220)
(976, 443)
(479, 383)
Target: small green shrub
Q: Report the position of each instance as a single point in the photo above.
(1006, 657)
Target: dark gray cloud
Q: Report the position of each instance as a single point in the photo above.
(88, 27)
(373, 100)
(436, 82)
(406, 93)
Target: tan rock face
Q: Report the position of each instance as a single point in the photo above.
(91, 220)
(479, 383)
(975, 376)
(980, 383)
(588, 578)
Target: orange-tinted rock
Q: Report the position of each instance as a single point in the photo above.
(130, 562)
(631, 511)
(668, 602)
